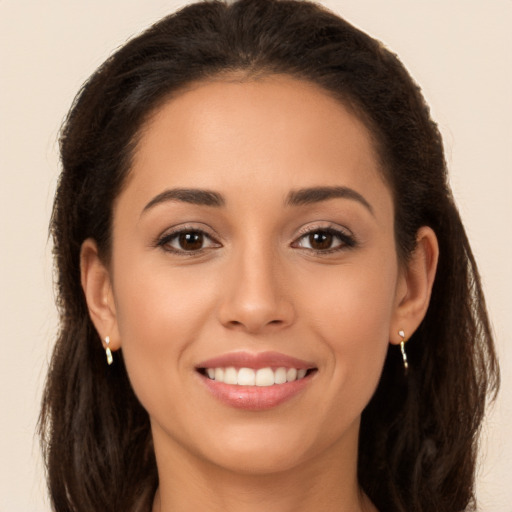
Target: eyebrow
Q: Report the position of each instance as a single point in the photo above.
(187, 195)
(313, 195)
(304, 196)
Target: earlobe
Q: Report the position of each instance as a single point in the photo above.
(417, 281)
(96, 284)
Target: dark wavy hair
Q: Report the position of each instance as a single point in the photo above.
(419, 433)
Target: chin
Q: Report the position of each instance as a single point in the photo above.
(258, 462)
(267, 449)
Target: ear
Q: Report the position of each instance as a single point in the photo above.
(415, 286)
(96, 284)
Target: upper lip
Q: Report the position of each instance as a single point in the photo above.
(255, 361)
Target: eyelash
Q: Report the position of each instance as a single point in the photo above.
(346, 241)
(164, 241)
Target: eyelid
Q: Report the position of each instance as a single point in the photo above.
(323, 226)
(163, 239)
(346, 237)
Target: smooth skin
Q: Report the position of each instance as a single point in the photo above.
(255, 270)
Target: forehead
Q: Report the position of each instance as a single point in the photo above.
(274, 133)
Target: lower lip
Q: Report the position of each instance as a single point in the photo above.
(255, 398)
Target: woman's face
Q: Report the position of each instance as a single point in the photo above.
(255, 232)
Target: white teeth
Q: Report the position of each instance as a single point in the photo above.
(230, 375)
(219, 374)
(265, 377)
(261, 377)
(280, 376)
(291, 374)
(246, 377)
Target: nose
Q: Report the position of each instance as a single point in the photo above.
(256, 296)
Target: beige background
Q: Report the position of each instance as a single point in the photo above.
(460, 51)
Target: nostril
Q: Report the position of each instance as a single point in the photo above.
(254, 317)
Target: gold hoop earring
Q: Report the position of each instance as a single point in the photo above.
(108, 352)
(401, 333)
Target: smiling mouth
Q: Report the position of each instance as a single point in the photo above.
(261, 377)
(256, 382)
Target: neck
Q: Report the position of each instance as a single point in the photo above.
(328, 483)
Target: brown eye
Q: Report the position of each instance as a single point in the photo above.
(320, 240)
(191, 241)
(325, 241)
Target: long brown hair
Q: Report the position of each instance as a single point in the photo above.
(419, 433)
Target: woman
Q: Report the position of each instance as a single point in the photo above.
(252, 220)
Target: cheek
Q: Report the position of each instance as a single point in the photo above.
(351, 311)
(356, 299)
(159, 313)
(158, 303)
